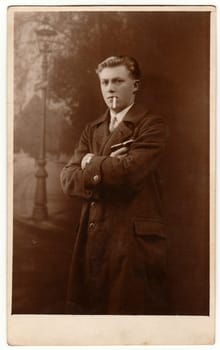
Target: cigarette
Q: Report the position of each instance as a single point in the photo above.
(122, 144)
(114, 102)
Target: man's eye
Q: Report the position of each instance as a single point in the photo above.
(104, 82)
(119, 81)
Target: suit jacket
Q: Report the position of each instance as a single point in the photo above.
(119, 254)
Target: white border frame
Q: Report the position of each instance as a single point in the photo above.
(20, 328)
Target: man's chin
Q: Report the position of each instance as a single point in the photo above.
(115, 110)
(110, 106)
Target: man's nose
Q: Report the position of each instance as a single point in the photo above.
(110, 87)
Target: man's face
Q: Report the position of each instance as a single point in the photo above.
(117, 82)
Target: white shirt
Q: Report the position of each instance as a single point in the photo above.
(119, 116)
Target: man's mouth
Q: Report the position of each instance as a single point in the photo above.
(111, 97)
(113, 101)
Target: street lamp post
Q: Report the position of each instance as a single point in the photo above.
(45, 35)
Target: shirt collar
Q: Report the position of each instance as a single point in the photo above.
(132, 116)
(121, 114)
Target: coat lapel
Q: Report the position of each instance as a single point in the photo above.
(121, 133)
(104, 139)
(100, 134)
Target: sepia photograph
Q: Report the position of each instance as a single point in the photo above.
(111, 174)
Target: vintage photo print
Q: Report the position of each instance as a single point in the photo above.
(111, 168)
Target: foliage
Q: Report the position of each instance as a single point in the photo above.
(83, 40)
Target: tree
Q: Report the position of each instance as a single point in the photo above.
(83, 40)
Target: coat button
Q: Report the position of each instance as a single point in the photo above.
(96, 179)
(92, 204)
(88, 193)
(91, 225)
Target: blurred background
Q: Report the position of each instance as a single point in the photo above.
(172, 49)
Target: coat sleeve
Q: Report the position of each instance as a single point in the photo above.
(142, 158)
(72, 177)
(107, 172)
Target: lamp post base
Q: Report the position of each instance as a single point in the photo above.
(40, 211)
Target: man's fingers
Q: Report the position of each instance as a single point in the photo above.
(122, 156)
(119, 152)
(86, 159)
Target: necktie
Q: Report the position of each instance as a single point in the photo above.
(113, 124)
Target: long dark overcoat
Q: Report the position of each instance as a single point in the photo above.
(119, 254)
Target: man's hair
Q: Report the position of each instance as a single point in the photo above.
(129, 62)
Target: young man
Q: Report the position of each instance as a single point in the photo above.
(119, 255)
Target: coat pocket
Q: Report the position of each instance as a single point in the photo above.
(151, 230)
(150, 245)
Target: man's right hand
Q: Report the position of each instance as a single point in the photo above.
(120, 153)
(86, 160)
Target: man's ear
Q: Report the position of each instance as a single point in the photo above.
(136, 85)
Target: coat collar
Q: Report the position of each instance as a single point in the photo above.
(133, 116)
(123, 132)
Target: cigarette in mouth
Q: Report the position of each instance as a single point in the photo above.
(114, 102)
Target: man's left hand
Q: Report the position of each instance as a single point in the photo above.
(120, 153)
